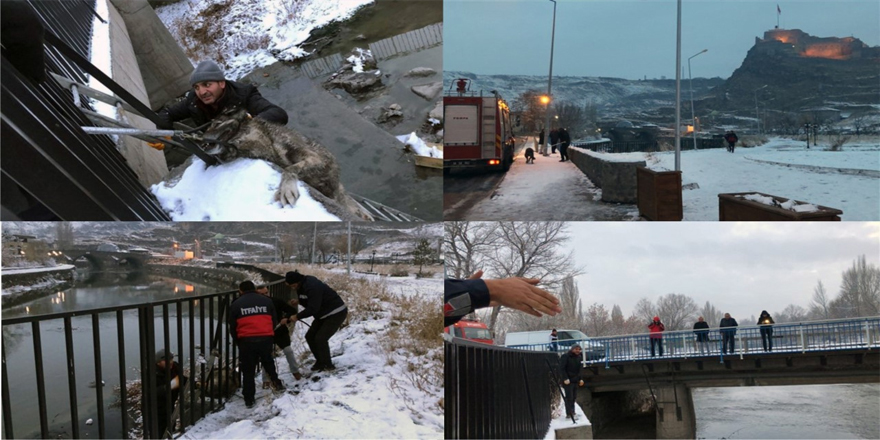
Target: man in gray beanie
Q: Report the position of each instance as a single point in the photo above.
(211, 94)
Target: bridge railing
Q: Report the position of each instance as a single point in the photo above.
(191, 328)
(497, 392)
(840, 334)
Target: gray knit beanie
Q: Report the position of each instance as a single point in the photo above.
(207, 71)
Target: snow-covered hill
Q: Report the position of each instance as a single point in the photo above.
(611, 96)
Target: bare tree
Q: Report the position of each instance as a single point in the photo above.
(711, 315)
(819, 305)
(677, 311)
(791, 313)
(597, 321)
(530, 249)
(64, 237)
(572, 315)
(464, 246)
(860, 289)
(618, 322)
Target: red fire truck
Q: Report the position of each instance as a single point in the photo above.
(477, 132)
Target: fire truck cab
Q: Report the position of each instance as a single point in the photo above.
(477, 130)
(471, 330)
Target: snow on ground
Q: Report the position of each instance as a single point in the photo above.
(100, 57)
(547, 190)
(716, 171)
(16, 271)
(561, 422)
(364, 398)
(419, 146)
(256, 33)
(218, 193)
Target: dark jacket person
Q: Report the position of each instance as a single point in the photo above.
(570, 368)
(766, 323)
(252, 325)
(172, 380)
(212, 94)
(328, 309)
(728, 331)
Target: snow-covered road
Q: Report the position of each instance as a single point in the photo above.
(547, 190)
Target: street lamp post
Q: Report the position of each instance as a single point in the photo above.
(550, 82)
(372, 259)
(691, 85)
(757, 117)
(678, 90)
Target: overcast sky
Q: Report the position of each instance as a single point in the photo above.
(633, 39)
(741, 268)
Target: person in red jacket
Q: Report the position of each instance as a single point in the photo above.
(252, 326)
(656, 327)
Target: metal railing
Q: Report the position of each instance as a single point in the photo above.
(194, 328)
(801, 337)
(496, 392)
(60, 171)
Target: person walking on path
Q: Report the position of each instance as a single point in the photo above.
(570, 367)
(554, 138)
(701, 329)
(656, 327)
(728, 331)
(324, 304)
(252, 326)
(283, 312)
(565, 140)
(731, 139)
(541, 147)
(766, 323)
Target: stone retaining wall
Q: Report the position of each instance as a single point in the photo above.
(617, 179)
(227, 276)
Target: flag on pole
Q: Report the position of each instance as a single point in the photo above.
(778, 11)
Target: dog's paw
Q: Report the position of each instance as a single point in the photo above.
(287, 192)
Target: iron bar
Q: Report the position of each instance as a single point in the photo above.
(180, 396)
(123, 386)
(71, 378)
(99, 378)
(41, 379)
(166, 337)
(7, 408)
(192, 365)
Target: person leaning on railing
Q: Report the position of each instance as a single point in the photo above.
(701, 329)
(728, 331)
(765, 321)
(464, 296)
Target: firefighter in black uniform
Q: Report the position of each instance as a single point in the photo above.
(322, 302)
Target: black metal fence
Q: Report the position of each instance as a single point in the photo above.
(194, 328)
(51, 169)
(496, 392)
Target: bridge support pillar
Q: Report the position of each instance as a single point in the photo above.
(675, 412)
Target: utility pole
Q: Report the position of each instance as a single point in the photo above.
(678, 91)
(550, 84)
(349, 248)
(314, 239)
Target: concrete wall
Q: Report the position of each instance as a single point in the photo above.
(617, 179)
(675, 412)
(148, 163)
(230, 276)
(163, 65)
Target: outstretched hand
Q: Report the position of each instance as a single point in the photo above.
(520, 294)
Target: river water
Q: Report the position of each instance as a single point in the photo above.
(789, 412)
(102, 290)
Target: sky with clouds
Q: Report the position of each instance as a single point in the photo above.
(741, 268)
(633, 38)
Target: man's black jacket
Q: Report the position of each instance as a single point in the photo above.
(236, 95)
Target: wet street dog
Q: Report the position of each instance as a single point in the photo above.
(234, 134)
(530, 155)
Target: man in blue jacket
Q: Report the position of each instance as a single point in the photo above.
(252, 326)
(324, 304)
